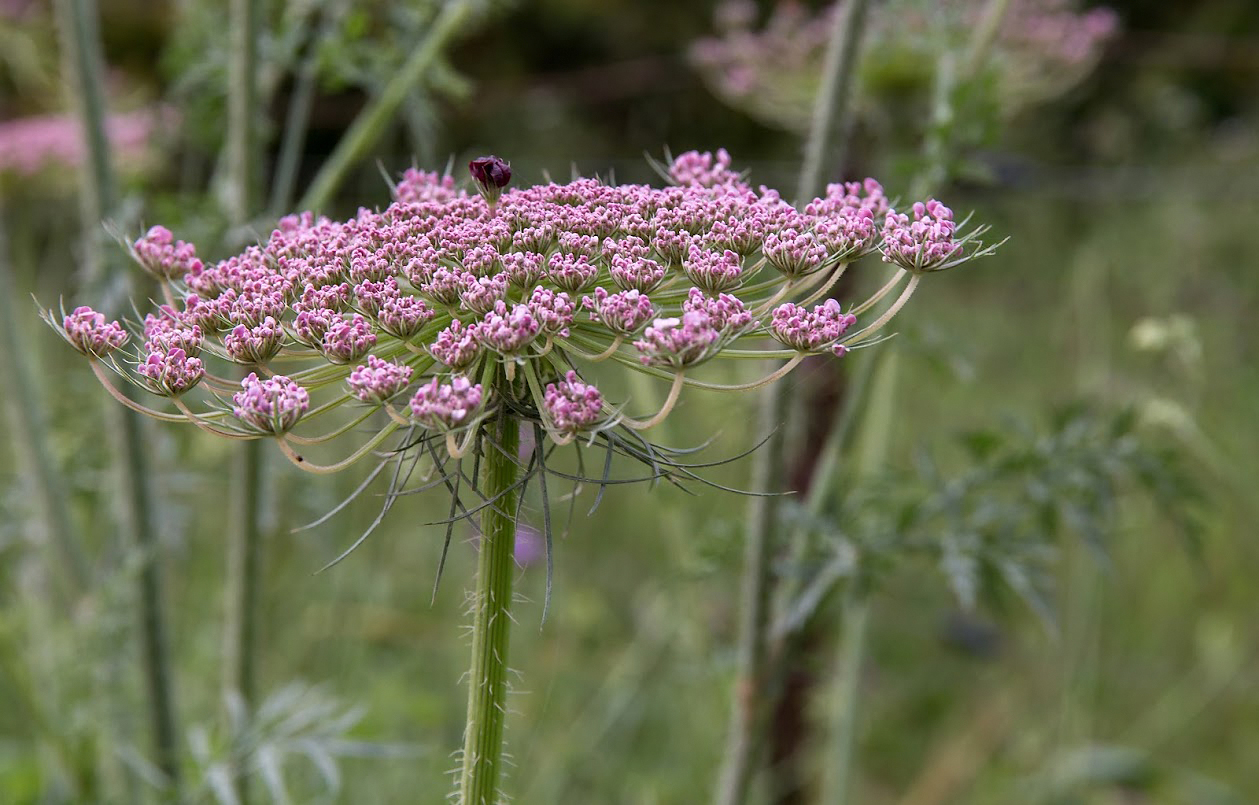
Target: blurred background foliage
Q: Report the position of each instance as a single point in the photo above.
(1128, 283)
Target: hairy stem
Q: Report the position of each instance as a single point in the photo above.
(491, 629)
(371, 123)
(81, 50)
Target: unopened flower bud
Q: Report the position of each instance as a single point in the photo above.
(491, 175)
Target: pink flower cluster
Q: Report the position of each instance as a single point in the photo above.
(270, 406)
(1042, 48)
(29, 145)
(378, 380)
(90, 334)
(171, 372)
(164, 257)
(573, 405)
(679, 342)
(622, 313)
(811, 331)
(441, 288)
(443, 406)
(925, 243)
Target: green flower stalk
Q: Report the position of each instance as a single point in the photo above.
(462, 321)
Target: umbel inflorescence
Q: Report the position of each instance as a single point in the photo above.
(442, 325)
(448, 308)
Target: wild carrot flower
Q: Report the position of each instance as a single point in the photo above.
(477, 302)
(463, 305)
(1040, 49)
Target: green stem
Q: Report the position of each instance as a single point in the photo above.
(491, 629)
(135, 513)
(748, 704)
(938, 144)
(370, 124)
(82, 64)
(241, 593)
(297, 120)
(244, 540)
(830, 111)
(852, 650)
(871, 453)
(242, 111)
(752, 694)
(31, 443)
(82, 59)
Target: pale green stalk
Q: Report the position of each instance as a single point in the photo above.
(244, 540)
(372, 122)
(491, 627)
(31, 444)
(81, 61)
(78, 24)
(751, 698)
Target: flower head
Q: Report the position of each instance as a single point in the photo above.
(161, 255)
(925, 243)
(90, 334)
(170, 372)
(378, 380)
(491, 175)
(347, 340)
(443, 406)
(573, 405)
(270, 406)
(254, 345)
(810, 331)
(678, 342)
(480, 299)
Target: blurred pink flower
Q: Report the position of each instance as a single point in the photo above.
(29, 145)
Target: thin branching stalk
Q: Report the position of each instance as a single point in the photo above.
(491, 628)
(371, 123)
(751, 694)
(31, 445)
(244, 538)
(81, 50)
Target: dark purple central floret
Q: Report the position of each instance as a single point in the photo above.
(491, 173)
